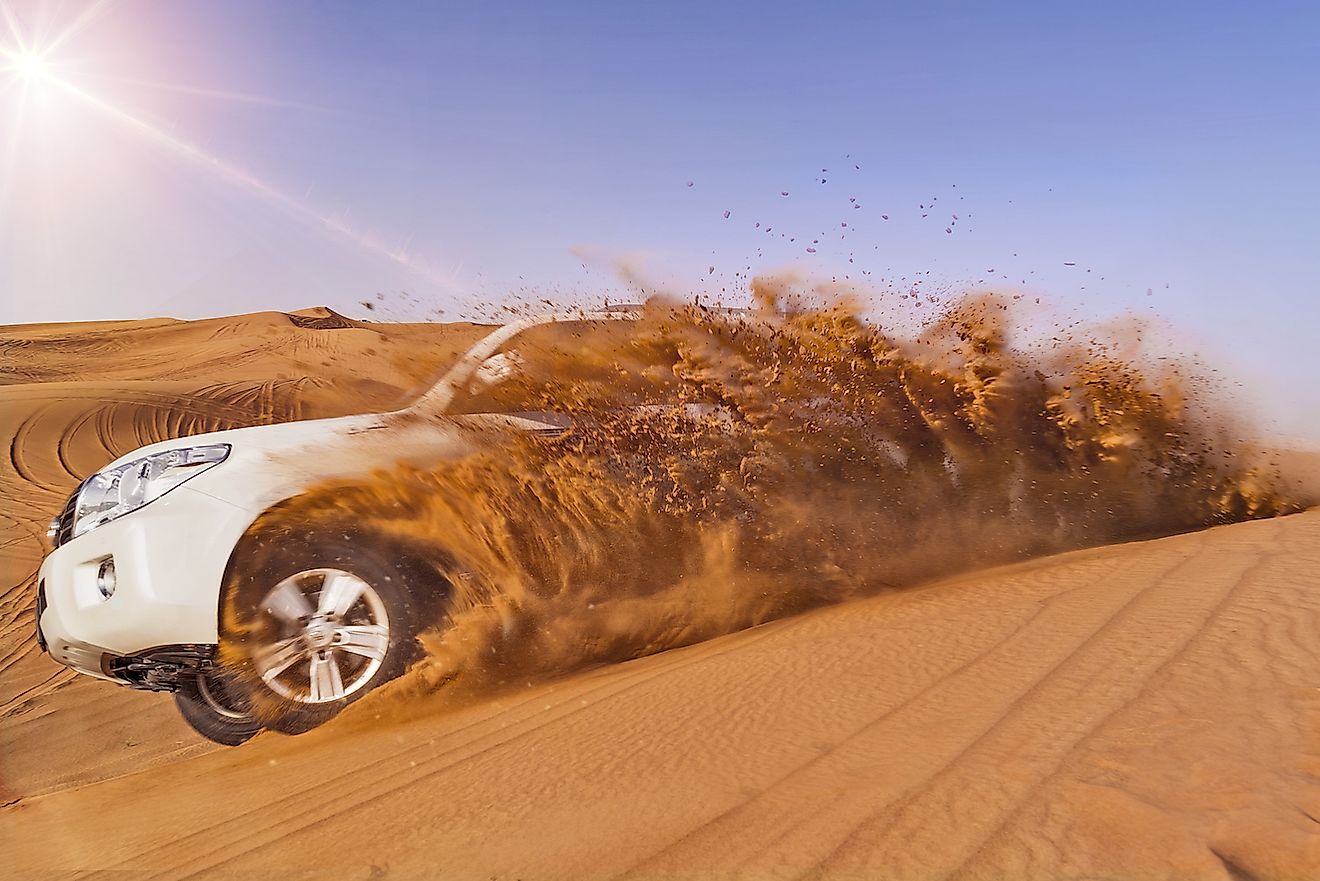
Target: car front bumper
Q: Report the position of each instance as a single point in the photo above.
(169, 557)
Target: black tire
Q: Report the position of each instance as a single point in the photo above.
(248, 628)
(210, 708)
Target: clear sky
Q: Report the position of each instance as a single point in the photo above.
(192, 158)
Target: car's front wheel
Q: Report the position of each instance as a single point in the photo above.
(316, 624)
(213, 709)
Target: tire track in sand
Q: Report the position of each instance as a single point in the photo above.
(976, 791)
(822, 793)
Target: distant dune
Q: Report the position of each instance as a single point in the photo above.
(1149, 710)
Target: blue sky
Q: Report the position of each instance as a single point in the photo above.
(1167, 151)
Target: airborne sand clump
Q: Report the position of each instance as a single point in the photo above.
(726, 469)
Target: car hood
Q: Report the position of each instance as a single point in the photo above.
(268, 438)
(270, 463)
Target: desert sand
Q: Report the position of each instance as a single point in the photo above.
(1148, 710)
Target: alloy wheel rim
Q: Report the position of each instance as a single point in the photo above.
(332, 635)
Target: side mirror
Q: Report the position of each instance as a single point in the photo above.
(495, 370)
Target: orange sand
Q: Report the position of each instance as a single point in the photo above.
(1148, 710)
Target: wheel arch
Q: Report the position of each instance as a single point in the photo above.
(419, 562)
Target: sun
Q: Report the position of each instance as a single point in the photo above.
(27, 65)
(31, 66)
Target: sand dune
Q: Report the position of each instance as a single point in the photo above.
(1139, 711)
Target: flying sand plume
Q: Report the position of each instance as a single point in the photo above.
(803, 457)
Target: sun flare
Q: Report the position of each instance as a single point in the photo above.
(36, 72)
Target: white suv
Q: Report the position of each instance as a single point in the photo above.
(132, 590)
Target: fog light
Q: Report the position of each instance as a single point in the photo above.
(105, 577)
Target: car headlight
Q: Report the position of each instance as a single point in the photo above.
(116, 491)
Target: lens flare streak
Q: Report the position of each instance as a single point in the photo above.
(29, 67)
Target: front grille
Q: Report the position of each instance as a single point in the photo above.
(41, 607)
